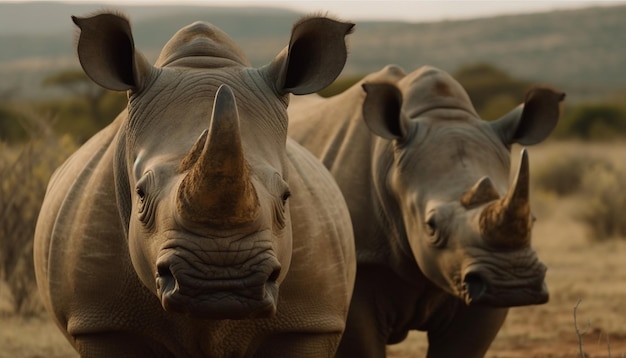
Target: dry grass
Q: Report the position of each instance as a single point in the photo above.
(25, 171)
(33, 338)
(579, 269)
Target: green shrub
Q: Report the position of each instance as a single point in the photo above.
(563, 174)
(111, 104)
(485, 82)
(596, 121)
(597, 182)
(340, 85)
(69, 116)
(25, 170)
(605, 205)
(12, 126)
(498, 106)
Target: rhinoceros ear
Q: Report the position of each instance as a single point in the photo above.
(314, 58)
(106, 51)
(382, 110)
(531, 122)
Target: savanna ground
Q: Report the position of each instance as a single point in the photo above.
(579, 268)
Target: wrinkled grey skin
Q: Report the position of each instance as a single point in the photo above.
(158, 238)
(426, 181)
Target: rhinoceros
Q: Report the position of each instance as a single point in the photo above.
(191, 226)
(442, 239)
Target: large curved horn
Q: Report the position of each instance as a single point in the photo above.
(506, 222)
(217, 190)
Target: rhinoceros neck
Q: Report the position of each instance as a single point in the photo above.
(393, 294)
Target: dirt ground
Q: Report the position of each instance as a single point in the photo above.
(578, 269)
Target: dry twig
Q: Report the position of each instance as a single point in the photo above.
(578, 332)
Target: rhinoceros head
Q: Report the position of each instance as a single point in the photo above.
(201, 174)
(467, 226)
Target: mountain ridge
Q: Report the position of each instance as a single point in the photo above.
(580, 49)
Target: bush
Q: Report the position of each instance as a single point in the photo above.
(498, 106)
(598, 182)
(340, 85)
(484, 82)
(69, 116)
(605, 209)
(563, 175)
(11, 126)
(25, 171)
(596, 121)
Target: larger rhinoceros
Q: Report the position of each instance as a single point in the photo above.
(443, 241)
(191, 226)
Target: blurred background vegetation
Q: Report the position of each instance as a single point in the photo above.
(48, 107)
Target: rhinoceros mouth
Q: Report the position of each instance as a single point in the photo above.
(184, 290)
(487, 284)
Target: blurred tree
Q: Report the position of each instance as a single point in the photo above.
(90, 109)
(492, 90)
(11, 125)
(25, 170)
(7, 94)
(340, 85)
(78, 84)
(485, 82)
(498, 105)
(597, 121)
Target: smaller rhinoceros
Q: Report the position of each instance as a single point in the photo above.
(443, 240)
(191, 226)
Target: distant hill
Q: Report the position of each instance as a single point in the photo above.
(581, 51)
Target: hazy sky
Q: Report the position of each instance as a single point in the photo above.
(395, 9)
(436, 9)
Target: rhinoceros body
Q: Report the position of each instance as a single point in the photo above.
(191, 225)
(442, 239)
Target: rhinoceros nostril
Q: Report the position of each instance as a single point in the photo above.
(274, 275)
(475, 286)
(165, 279)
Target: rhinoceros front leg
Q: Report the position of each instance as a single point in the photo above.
(371, 311)
(469, 334)
(114, 344)
(363, 337)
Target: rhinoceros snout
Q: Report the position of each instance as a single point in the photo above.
(497, 286)
(218, 294)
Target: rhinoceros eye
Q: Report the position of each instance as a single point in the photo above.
(431, 225)
(279, 187)
(286, 196)
(433, 230)
(141, 194)
(146, 205)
